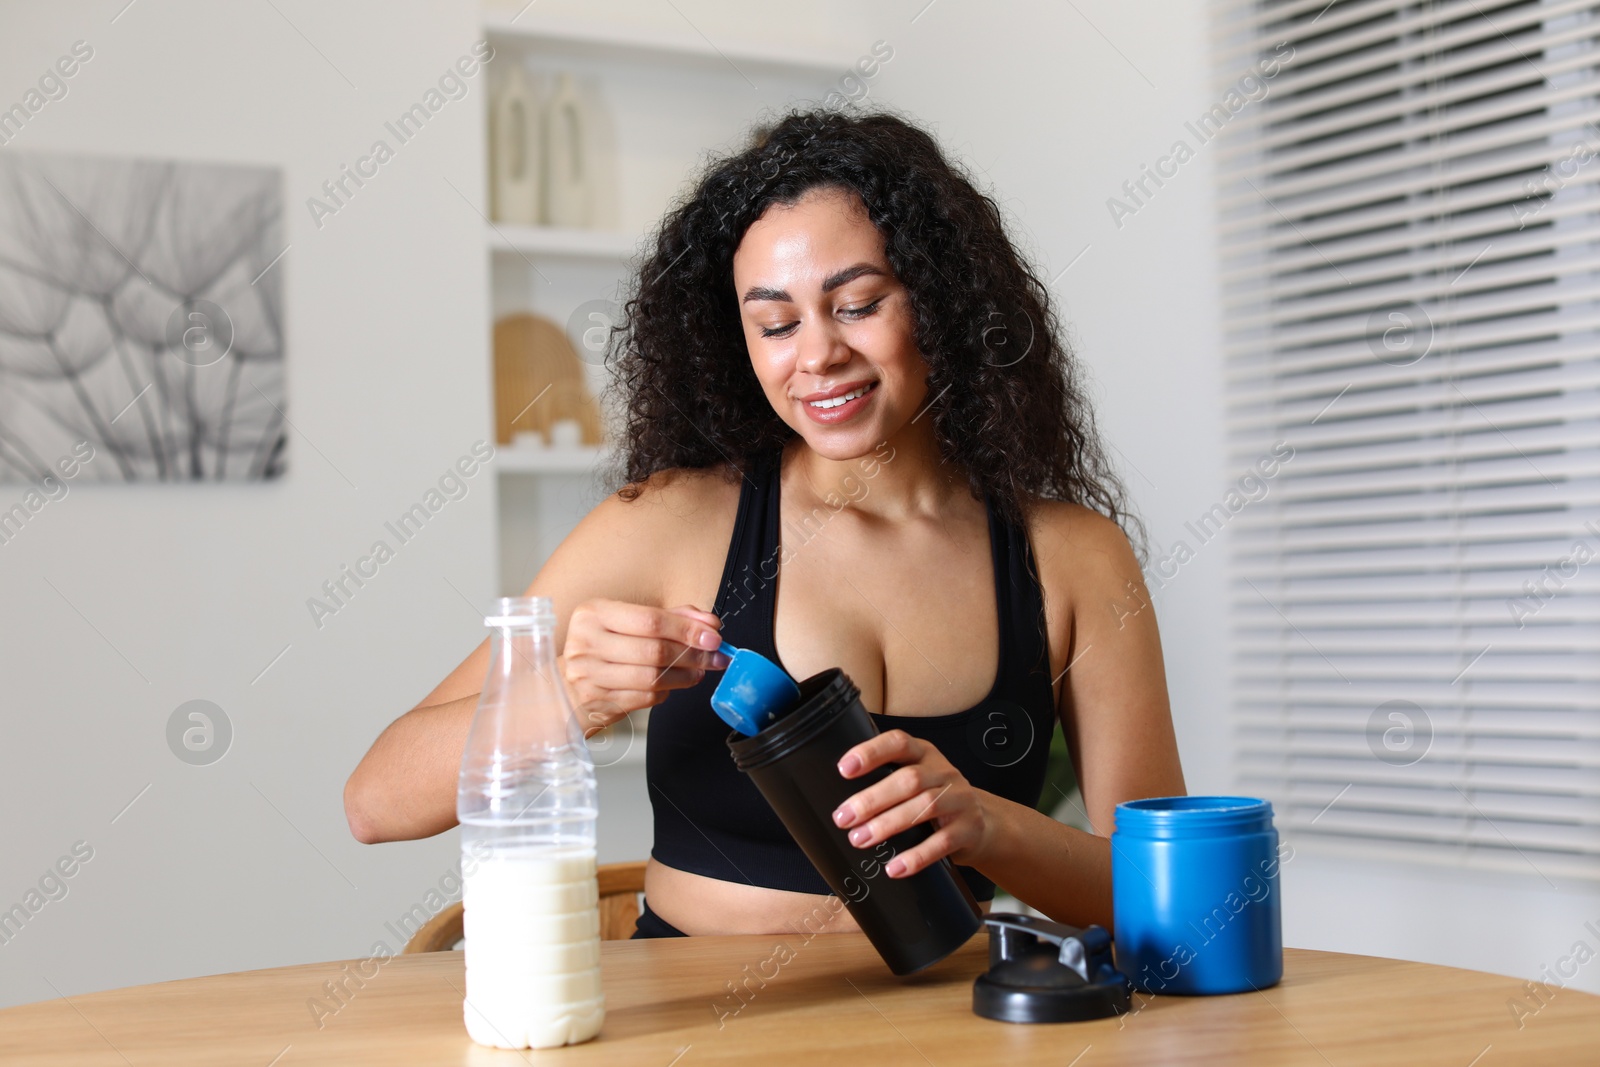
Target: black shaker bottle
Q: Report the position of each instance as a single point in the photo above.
(912, 921)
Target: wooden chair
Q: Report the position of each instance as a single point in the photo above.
(620, 886)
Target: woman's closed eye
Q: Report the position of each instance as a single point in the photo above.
(861, 312)
(853, 314)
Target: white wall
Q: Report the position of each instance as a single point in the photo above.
(1058, 105)
(247, 862)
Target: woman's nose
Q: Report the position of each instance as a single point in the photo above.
(822, 347)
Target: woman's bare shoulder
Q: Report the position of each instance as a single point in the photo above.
(662, 540)
(672, 500)
(1080, 550)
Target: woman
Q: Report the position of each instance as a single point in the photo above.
(853, 439)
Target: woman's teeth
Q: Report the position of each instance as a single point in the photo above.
(835, 401)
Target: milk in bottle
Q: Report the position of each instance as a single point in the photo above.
(527, 806)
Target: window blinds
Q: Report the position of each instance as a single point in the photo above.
(1410, 240)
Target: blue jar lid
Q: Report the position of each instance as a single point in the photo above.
(1179, 817)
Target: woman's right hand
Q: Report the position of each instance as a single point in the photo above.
(621, 657)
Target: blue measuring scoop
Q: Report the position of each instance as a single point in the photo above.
(753, 692)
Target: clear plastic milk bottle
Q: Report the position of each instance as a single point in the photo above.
(527, 806)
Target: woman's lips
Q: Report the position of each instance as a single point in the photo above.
(842, 407)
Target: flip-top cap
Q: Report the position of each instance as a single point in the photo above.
(1047, 972)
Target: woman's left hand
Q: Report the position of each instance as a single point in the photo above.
(925, 788)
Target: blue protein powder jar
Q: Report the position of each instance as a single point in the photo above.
(1194, 885)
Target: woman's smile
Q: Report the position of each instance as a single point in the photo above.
(838, 404)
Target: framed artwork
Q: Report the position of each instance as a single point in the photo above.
(141, 320)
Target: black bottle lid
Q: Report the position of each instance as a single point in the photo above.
(1047, 972)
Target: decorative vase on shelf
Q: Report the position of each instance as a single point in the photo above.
(566, 433)
(539, 385)
(514, 150)
(568, 158)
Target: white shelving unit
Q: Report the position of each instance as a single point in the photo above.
(517, 459)
(668, 98)
(512, 239)
(664, 100)
(574, 38)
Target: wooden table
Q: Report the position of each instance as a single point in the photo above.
(828, 1001)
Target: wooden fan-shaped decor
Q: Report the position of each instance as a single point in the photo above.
(538, 380)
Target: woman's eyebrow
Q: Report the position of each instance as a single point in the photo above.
(850, 274)
(830, 283)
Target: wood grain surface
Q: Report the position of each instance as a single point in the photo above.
(829, 1000)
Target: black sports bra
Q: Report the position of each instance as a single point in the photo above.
(711, 820)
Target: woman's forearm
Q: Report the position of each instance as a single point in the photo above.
(1059, 869)
(405, 786)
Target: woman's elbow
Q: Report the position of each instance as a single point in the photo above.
(360, 809)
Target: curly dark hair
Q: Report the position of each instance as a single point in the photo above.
(1007, 401)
